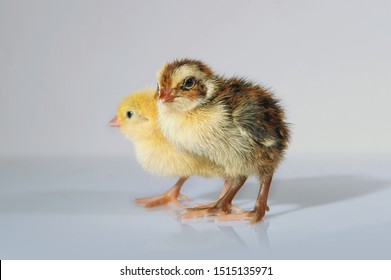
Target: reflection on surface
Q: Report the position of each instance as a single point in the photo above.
(83, 210)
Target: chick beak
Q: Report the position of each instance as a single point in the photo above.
(114, 122)
(165, 96)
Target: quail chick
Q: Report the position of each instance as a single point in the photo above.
(137, 120)
(237, 124)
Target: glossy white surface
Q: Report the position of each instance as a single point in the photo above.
(81, 208)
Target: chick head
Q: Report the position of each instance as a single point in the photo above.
(185, 84)
(137, 115)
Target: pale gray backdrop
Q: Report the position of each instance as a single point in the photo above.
(67, 180)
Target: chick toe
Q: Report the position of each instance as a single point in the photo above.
(216, 209)
(154, 201)
(169, 197)
(234, 208)
(253, 216)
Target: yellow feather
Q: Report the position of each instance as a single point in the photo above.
(155, 154)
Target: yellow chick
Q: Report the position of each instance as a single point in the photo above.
(137, 120)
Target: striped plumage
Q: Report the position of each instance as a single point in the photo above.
(237, 124)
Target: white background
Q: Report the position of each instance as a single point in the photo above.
(67, 180)
(282, 269)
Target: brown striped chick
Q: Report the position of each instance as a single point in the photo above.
(137, 120)
(237, 124)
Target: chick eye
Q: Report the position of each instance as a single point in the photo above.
(188, 83)
(129, 114)
(157, 87)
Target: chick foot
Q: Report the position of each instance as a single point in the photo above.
(222, 207)
(227, 185)
(260, 208)
(253, 216)
(169, 197)
(201, 206)
(163, 199)
(214, 210)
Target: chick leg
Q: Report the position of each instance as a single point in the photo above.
(222, 207)
(227, 186)
(169, 197)
(260, 207)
